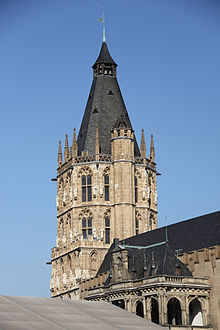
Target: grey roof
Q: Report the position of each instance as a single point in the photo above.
(46, 313)
(189, 235)
(160, 258)
(105, 108)
(104, 56)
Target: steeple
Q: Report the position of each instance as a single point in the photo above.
(143, 146)
(105, 107)
(152, 150)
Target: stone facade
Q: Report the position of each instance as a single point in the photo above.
(172, 301)
(206, 262)
(120, 200)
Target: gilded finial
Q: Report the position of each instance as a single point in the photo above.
(102, 20)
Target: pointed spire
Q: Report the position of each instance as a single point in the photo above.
(97, 140)
(60, 159)
(74, 146)
(143, 146)
(152, 150)
(66, 150)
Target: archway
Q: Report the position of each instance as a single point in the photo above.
(154, 311)
(195, 313)
(139, 309)
(174, 315)
(119, 303)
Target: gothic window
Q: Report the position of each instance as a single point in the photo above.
(136, 189)
(137, 226)
(106, 184)
(174, 314)
(154, 311)
(94, 260)
(86, 188)
(139, 309)
(195, 313)
(86, 227)
(107, 230)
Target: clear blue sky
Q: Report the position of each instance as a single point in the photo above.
(168, 55)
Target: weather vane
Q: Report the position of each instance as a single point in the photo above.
(102, 20)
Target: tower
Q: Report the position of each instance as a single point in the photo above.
(106, 186)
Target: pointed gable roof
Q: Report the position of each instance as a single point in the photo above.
(105, 107)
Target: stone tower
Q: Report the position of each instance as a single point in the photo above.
(106, 186)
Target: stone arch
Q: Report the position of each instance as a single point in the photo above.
(85, 213)
(174, 311)
(154, 310)
(94, 260)
(84, 170)
(139, 308)
(119, 303)
(195, 313)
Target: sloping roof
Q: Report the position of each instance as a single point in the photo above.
(160, 259)
(189, 235)
(105, 107)
(47, 314)
(104, 56)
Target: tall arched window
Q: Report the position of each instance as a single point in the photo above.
(195, 313)
(136, 189)
(86, 227)
(86, 188)
(137, 226)
(107, 230)
(106, 185)
(139, 309)
(154, 311)
(174, 314)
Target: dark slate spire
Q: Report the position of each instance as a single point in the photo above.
(105, 107)
(104, 56)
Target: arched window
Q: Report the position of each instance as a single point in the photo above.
(86, 188)
(154, 311)
(94, 260)
(106, 185)
(174, 315)
(195, 313)
(107, 230)
(139, 309)
(119, 303)
(86, 227)
(136, 189)
(137, 226)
